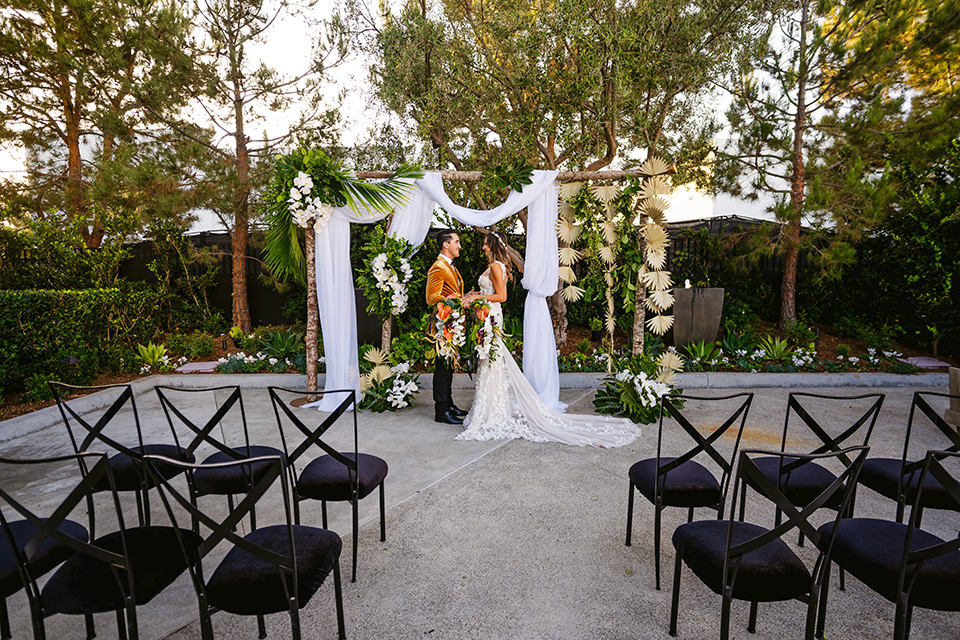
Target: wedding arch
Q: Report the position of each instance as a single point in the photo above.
(411, 222)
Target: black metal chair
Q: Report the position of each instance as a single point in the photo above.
(116, 572)
(801, 481)
(112, 430)
(898, 478)
(903, 563)
(219, 410)
(269, 570)
(742, 561)
(20, 567)
(682, 481)
(336, 476)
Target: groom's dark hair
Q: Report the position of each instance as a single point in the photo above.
(443, 235)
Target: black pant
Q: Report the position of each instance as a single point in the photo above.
(442, 380)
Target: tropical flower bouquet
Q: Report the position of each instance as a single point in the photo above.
(386, 275)
(635, 389)
(386, 387)
(464, 335)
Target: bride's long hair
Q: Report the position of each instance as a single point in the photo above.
(498, 251)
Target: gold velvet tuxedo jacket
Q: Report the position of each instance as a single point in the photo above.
(443, 280)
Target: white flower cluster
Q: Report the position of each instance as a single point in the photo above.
(759, 354)
(164, 364)
(399, 394)
(485, 343)
(648, 389)
(388, 280)
(254, 359)
(803, 358)
(304, 207)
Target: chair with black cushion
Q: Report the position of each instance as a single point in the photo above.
(832, 420)
(273, 568)
(116, 572)
(682, 481)
(209, 414)
(112, 429)
(743, 561)
(903, 563)
(335, 476)
(19, 566)
(897, 478)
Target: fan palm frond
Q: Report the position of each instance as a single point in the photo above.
(569, 255)
(656, 280)
(572, 293)
(605, 192)
(655, 186)
(607, 254)
(567, 274)
(656, 258)
(567, 231)
(570, 189)
(610, 322)
(656, 235)
(660, 324)
(609, 232)
(670, 360)
(654, 166)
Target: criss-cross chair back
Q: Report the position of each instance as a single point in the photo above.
(112, 431)
(683, 481)
(905, 564)
(743, 561)
(215, 418)
(268, 570)
(898, 479)
(802, 479)
(336, 475)
(116, 572)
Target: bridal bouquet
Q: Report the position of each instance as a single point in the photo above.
(449, 322)
(483, 331)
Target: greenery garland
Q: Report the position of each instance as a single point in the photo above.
(386, 273)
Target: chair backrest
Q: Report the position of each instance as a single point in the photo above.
(112, 426)
(19, 503)
(671, 404)
(921, 405)
(832, 434)
(216, 525)
(749, 473)
(217, 406)
(912, 560)
(298, 438)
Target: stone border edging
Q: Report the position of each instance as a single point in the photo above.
(27, 424)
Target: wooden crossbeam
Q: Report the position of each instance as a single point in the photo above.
(563, 176)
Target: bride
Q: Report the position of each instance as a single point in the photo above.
(506, 405)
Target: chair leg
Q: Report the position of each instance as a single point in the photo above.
(752, 622)
(261, 627)
(656, 544)
(88, 622)
(743, 501)
(36, 616)
(294, 620)
(690, 515)
(338, 593)
(630, 515)
(900, 619)
(383, 516)
(675, 601)
(132, 626)
(725, 614)
(822, 605)
(356, 532)
(4, 620)
(121, 625)
(323, 512)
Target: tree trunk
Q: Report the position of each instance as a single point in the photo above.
(558, 314)
(241, 306)
(639, 316)
(313, 319)
(791, 234)
(385, 329)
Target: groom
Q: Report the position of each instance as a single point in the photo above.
(444, 282)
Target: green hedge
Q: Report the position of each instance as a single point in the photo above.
(40, 329)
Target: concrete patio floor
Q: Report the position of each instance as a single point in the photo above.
(511, 539)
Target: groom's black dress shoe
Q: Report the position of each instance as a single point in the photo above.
(457, 411)
(450, 417)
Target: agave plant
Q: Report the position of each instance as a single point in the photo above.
(775, 348)
(152, 354)
(700, 353)
(282, 344)
(738, 345)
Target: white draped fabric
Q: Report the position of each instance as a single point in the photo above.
(335, 287)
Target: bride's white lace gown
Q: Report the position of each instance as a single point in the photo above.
(506, 406)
